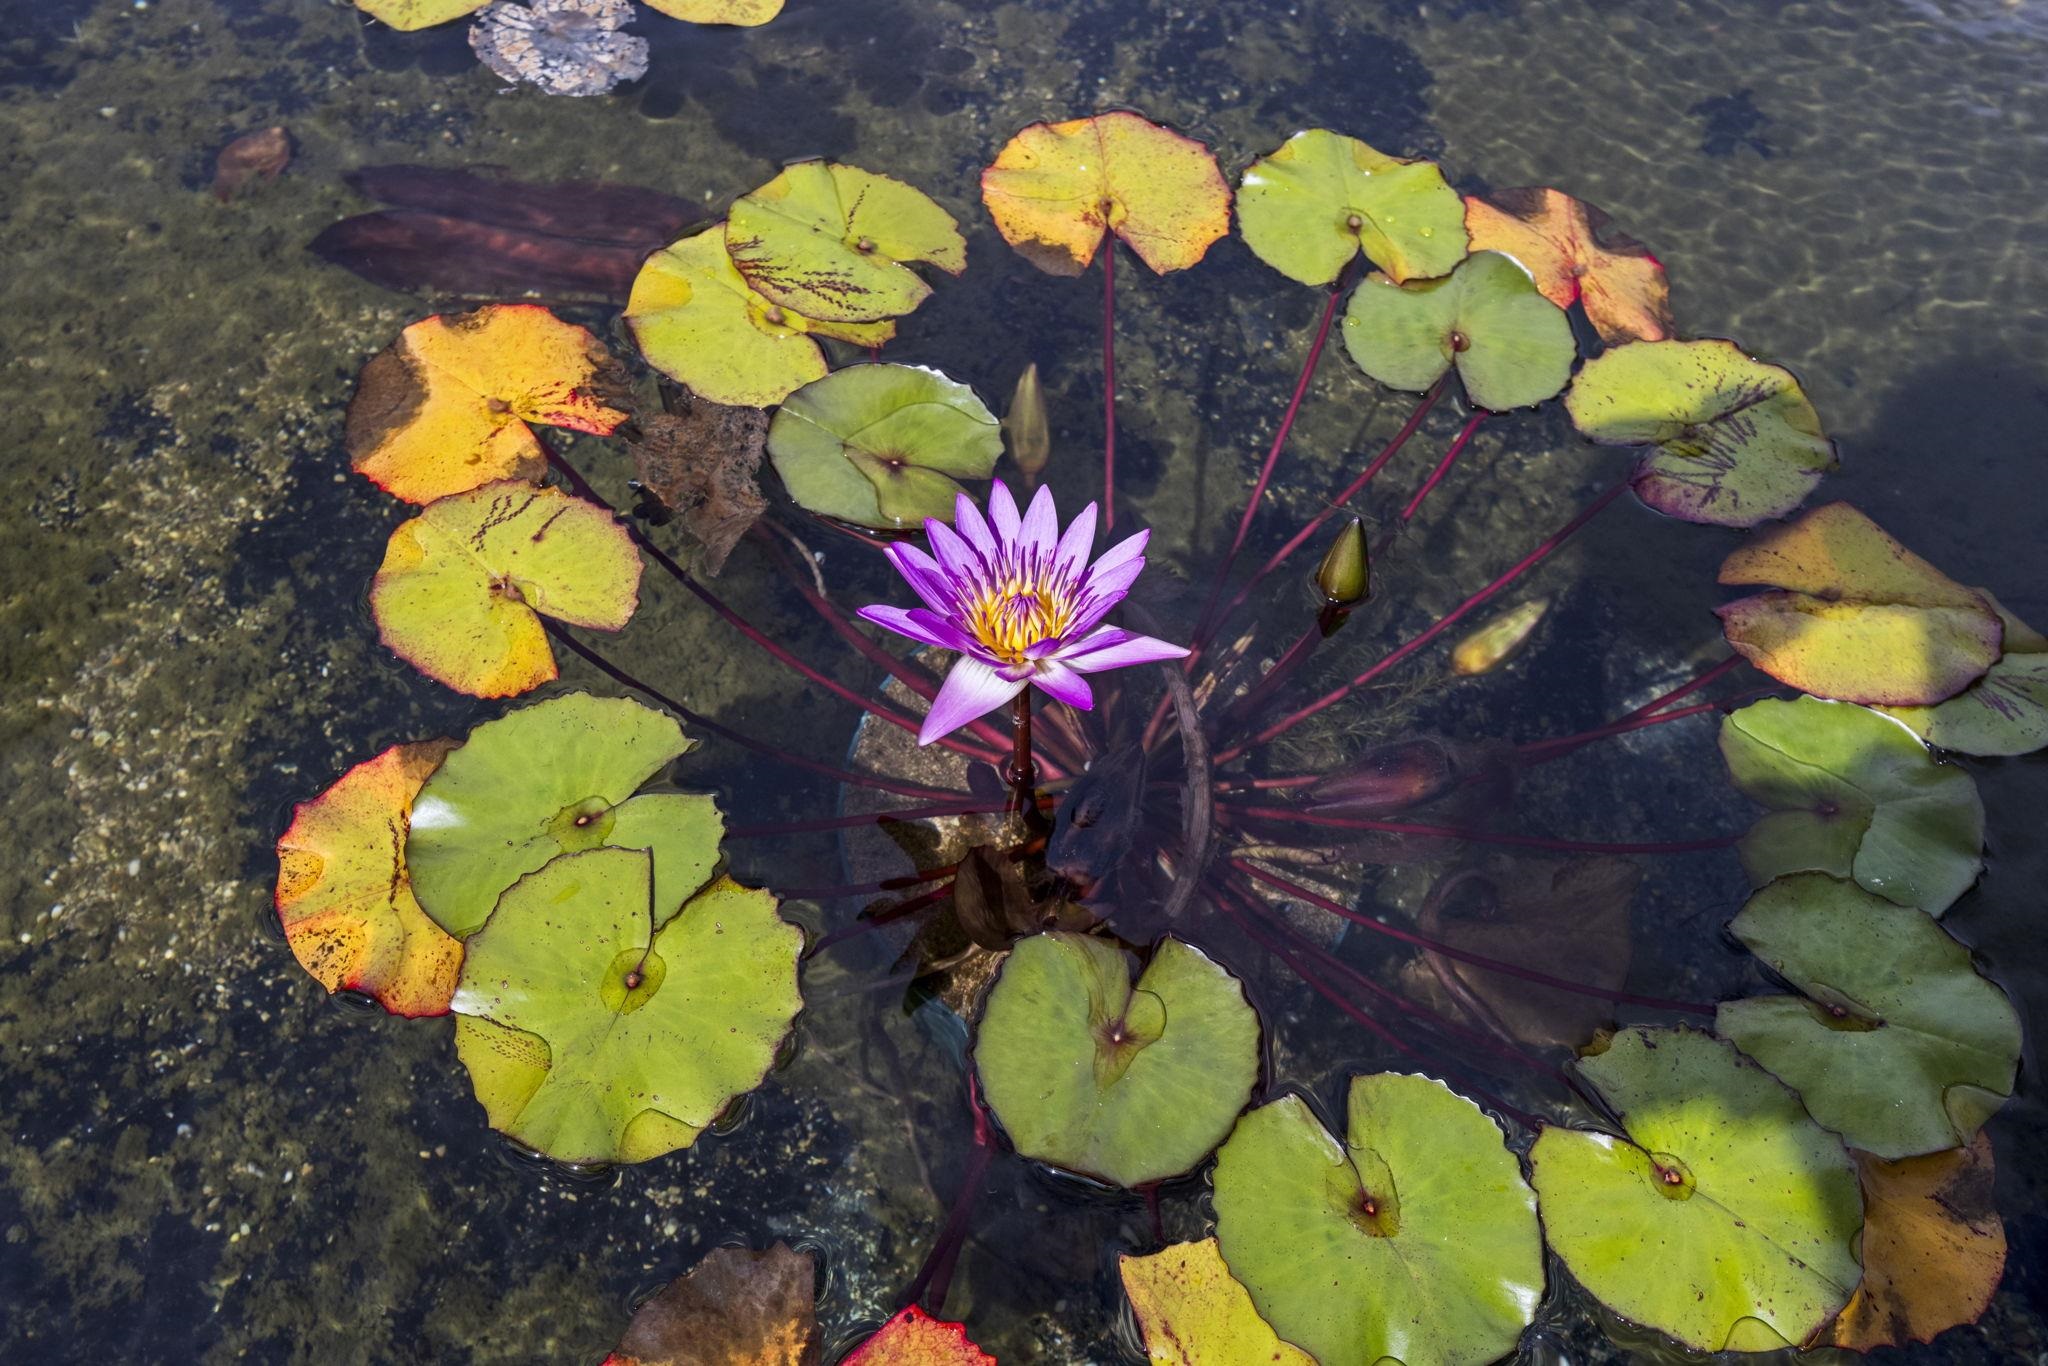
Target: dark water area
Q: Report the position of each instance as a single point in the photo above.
(204, 1158)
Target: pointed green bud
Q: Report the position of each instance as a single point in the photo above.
(1029, 432)
(1345, 575)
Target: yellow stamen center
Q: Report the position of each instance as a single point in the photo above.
(1015, 613)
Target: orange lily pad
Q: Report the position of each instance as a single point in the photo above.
(1193, 1312)
(1056, 190)
(343, 895)
(915, 1338)
(446, 406)
(1574, 253)
(1854, 615)
(1933, 1247)
(464, 585)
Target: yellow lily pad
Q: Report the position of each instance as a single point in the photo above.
(343, 894)
(699, 322)
(739, 13)
(463, 585)
(1855, 615)
(831, 242)
(1056, 190)
(407, 15)
(1193, 1312)
(445, 407)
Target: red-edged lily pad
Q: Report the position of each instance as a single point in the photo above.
(1576, 255)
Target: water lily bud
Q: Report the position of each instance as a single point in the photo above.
(1029, 431)
(1345, 575)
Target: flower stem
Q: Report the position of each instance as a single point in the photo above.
(1108, 383)
(1442, 624)
(1443, 466)
(1023, 773)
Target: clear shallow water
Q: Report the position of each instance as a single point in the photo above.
(205, 1159)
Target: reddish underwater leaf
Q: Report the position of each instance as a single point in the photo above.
(1855, 616)
(252, 155)
(915, 1338)
(343, 896)
(1573, 252)
(444, 408)
(737, 1307)
(1933, 1247)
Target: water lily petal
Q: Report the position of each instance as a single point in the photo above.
(923, 574)
(925, 627)
(1071, 556)
(970, 690)
(959, 560)
(1123, 560)
(1041, 529)
(968, 521)
(1002, 512)
(1114, 648)
(1064, 685)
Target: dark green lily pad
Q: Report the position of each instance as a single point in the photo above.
(1855, 795)
(1311, 207)
(1415, 1240)
(1898, 1044)
(1726, 1217)
(553, 778)
(1132, 1084)
(881, 445)
(602, 1024)
(1512, 346)
(830, 241)
(1726, 439)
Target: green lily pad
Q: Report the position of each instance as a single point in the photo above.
(1512, 346)
(553, 778)
(1898, 1044)
(1131, 1084)
(2003, 713)
(697, 321)
(830, 241)
(1727, 439)
(1726, 1217)
(1853, 794)
(1414, 1241)
(602, 1024)
(1309, 208)
(881, 445)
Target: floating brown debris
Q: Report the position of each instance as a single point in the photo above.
(264, 154)
(566, 47)
(700, 462)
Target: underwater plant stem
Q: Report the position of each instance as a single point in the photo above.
(1297, 816)
(1443, 466)
(1251, 506)
(1515, 970)
(854, 929)
(703, 722)
(1108, 383)
(1442, 624)
(1650, 713)
(1283, 667)
(935, 1277)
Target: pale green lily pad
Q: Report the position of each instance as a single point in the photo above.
(553, 778)
(1726, 1218)
(1415, 1240)
(1726, 439)
(1311, 207)
(601, 1024)
(1855, 795)
(1131, 1084)
(1898, 1044)
(830, 241)
(698, 321)
(2003, 713)
(881, 445)
(1512, 346)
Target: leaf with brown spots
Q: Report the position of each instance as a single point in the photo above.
(1193, 1312)
(1933, 1248)
(343, 894)
(915, 1338)
(445, 408)
(737, 1307)
(1574, 253)
(699, 462)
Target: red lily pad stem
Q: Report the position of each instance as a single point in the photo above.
(1283, 668)
(1108, 384)
(1296, 816)
(935, 1277)
(1442, 624)
(700, 721)
(858, 927)
(1251, 507)
(1443, 466)
(1419, 941)
(1542, 751)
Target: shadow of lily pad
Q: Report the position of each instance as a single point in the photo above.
(1130, 1083)
(1898, 1044)
(1414, 1240)
(1853, 794)
(1511, 346)
(1725, 1218)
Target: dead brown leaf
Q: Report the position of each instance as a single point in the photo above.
(699, 461)
(737, 1307)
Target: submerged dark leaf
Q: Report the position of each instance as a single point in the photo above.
(1094, 823)
(737, 1307)
(699, 462)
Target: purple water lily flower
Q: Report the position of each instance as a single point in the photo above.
(1020, 602)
